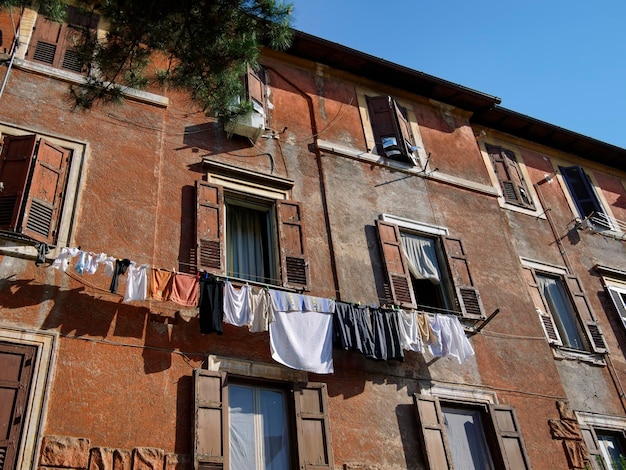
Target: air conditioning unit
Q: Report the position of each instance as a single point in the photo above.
(251, 125)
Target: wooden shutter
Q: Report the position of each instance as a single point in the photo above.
(45, 195)
(583, 308)
(210, 430)
(210, 243)
(547, 322)
(591, 442)
(17, 156)
(313, 427)
(396, 268)
(16, 369)
(619, 300)
(509, 175)
(255, 88)
(433, 433)
(292, 245)
(509, 437)
(468, 296)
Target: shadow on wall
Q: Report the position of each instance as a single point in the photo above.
(211, 139)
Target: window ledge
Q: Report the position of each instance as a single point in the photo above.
(357, 154)
(130, 93)
(262, 370)
(562, 353)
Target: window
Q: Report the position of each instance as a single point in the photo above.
(605, 440)
(34, 173)
(506, 167)
(617, 292)
(425, 271)
(246, 424)
(564, 311)
(250, 237)
(54, 43)
(470, 435)
(253, 123)
(16, 370)
(584, 196)
(392, 131)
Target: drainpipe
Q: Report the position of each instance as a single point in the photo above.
(15, 45)
(320, 169)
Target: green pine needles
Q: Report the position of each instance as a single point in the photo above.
(200, 46)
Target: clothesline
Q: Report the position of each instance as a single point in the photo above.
(302, 328)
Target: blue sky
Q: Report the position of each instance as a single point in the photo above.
(563, 62)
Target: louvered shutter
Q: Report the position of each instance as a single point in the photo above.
(210, 430)
(581, 303)
(433, 433)
(210, 243)
(293, 258)
(396, 268)
(581, 190)
(389, 123)
(509, 437)
(47, 42)
(16, 369)
(468, 296)
(45, 195)
(547, 322)
(17, 156)
(405, 131)
(619, 300)
(509, 175)
(313, 427)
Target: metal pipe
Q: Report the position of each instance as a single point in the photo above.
(15, 45)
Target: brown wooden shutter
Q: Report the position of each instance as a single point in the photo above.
(16, 369)
(210, 430)
(433, 433)
(45, 195)
(256, 88)
(405, 131)
(396, 268)
(619, 300)
(581, 303)
(17, 155)
(313, 427)
(510, 177)
(509, 437)
(388, 121)
(292, 245)
(210, 243)
(591, 441)
(468, 296)
(547, 322)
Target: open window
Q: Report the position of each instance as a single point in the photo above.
(564, 311)
(244, 423)
(470, 435)
(33, 172)
(617, 292)
(514, 188)
(253, 123)
(392, 132)
(426, 271)
(584, 196)
(250, 237)
(605, 438)
(55, 43)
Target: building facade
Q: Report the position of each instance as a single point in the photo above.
(377, 196)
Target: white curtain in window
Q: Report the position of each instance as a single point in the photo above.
(466, 436)
(421, 255)
(241, 414)
(245, 243)
(561, 309)
(275, 437)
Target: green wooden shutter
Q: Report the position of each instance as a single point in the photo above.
(210, 242)
(292, 245)
(509, 437)
(210, 429)
(433, 433)
(45, 195)
(18, 153)
(313, 427)
(468, 296)
(16, 370)
(396, 268)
